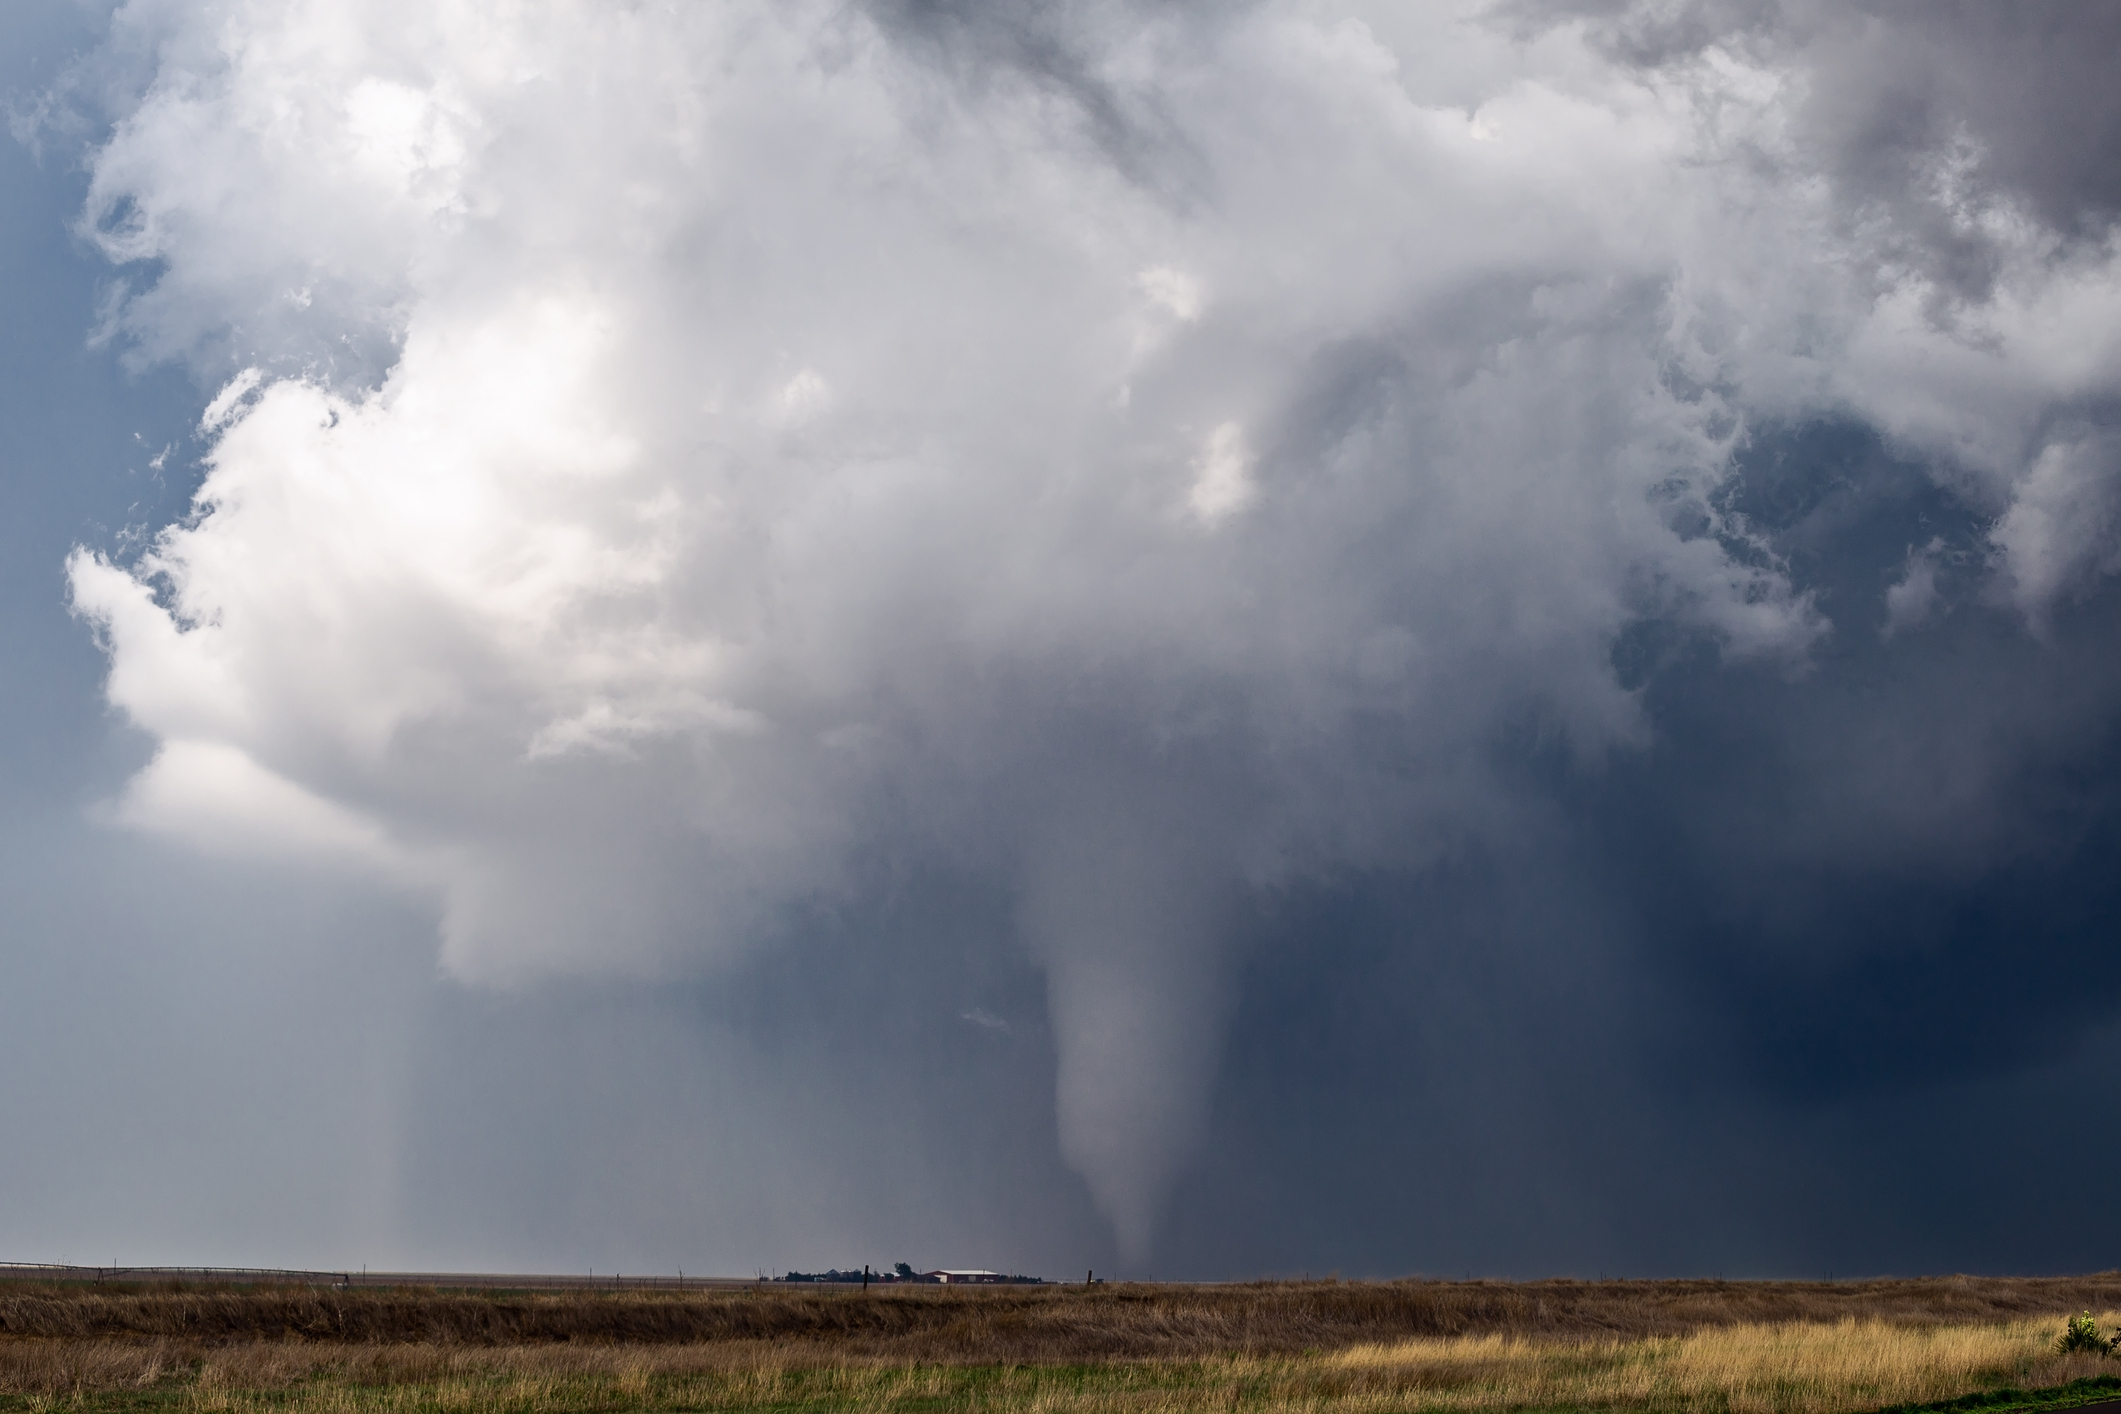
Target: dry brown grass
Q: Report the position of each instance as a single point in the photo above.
(1802, 1368)
(1030, 1323)
(1322, 1348)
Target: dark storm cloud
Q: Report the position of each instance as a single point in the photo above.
(2024, 86)
(1210, 638)
(1766, 995)
(1896, 867)
(1926, 115)
(1794, 990)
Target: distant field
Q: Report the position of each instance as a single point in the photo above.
(1719, 1347)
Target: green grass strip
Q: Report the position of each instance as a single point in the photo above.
(2097, 1389)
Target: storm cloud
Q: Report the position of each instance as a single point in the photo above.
(1307, 604)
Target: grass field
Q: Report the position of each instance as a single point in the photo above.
(1723, 1348)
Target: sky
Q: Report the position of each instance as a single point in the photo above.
(1199, 640)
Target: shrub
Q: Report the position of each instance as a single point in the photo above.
(2082, 1333)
